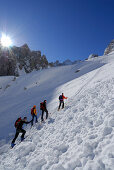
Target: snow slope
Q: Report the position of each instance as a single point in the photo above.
(79, 137)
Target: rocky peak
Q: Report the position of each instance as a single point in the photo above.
(22, 57)
(25, 46)
(110, 48)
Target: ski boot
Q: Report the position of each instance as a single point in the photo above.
(12, 145)
(22, 139)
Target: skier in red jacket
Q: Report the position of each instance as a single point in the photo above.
(61, 100)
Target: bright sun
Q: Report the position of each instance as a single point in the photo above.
(6, 40)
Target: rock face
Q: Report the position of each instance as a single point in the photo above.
(20, 58)
(7, 63)
(92, 56)
(110, 48)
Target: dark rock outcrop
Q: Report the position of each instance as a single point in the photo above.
(20, 58)
(110, 48)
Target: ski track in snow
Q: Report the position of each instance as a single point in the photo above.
(79, 137)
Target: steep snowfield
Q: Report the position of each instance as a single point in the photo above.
(79, 137)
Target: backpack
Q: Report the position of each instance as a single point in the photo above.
(60, 97)
(32, 111)
(41, 106)
(17, 122)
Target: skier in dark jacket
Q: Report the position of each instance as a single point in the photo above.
(18, 124)
(44, 109)
(61, 101)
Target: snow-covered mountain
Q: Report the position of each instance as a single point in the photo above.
(16, 59)
(79, 137)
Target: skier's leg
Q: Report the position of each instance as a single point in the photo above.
(42, 115)
(32, 120)
(23, 133)
(16, 135)
(46, 113)
(36, 118)
(59, 105)
(62, 104)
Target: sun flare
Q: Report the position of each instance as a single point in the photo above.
(6, 41)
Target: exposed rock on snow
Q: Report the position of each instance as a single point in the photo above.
(92, 56)
(110, 48)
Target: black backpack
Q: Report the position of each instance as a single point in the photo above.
(60, 97)
(41, 105)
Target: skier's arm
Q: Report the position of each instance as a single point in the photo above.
(26, 122)
(65, 97)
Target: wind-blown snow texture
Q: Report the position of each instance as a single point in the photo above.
(79, 137)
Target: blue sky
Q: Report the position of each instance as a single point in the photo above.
(61, 29)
